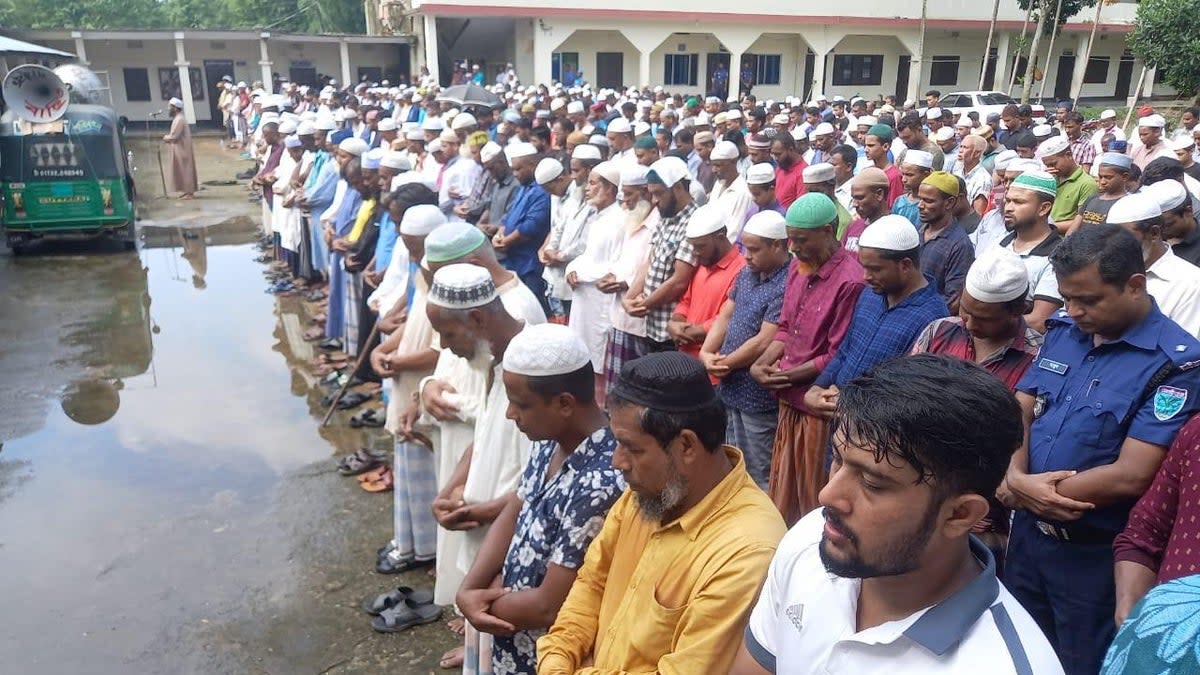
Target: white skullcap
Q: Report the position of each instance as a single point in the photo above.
(823, 129)
(421, 219)
(781, 118)
(349, 114)
(641, 128)
(462, 286)
(464, 120)
(705, 220)
(890, 233)
(1171, 194)
(1108, 114)
(918, 158)
(1184, 142)
(325, 123)
(416, 98)
(449, 115)
(176, 103)
(288, 127)
(1154, 121)
(372, 159)
(1053, 146)
(575, 108)
(305, 129)
(634, 175)
(292, 142)
(818, 173)
(724, 150)
(598, 140)
(448, 136)
(354, 145)
(434, 146)
(414, 134)
(670, 170)
(1022, 165)
(433, 124)
(943, 134)
(1043, 130)
(609, 171)
(411, 177)
(731, 115)
(620, 126)
(546, 350)
(997, 276)
(517, 150)
(547, 170)
(769, 224)
(1003, 159)
(934, 113)
(965, 122)
(760, 174)
(868, 121)
(397, 161)
(585, 151)
(489, 151)
(557, 104)
(1134, 208)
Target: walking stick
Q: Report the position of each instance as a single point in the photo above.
(346, 384)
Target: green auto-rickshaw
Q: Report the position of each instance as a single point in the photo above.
(69, 178)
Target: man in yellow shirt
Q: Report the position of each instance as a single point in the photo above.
(668, 584)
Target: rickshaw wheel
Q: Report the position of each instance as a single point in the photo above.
(129, 236)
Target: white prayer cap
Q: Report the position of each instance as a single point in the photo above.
(305, 129)
(760, 174)
(703, 137)
(268, 118)
(547, 170)
(292, 142)
(557, 104)
(598, 140)
(1108, 114)
(733, 115)
(415, 135)
(449, 115)
(397, 161)
(575, 108)
(421, 219)
(819, 173)
(1184, 142)
(705, 220)
(354, 145)
(798, 134)
(781, 118)
(348, 114)
(372, 158)
(1134, 208)
(386, 124)
(1154, 121)
(1043, 130)
(868, 121)
(416, 98)
(518, 150)
(768, 224)
(434, 146)
(448, 136)
(176, 103)
(410, 177)
(1004, 159)
(1022, 165)
(965, 122)
(433, 124)
(668, 171)
(325, 123)
(641, 128)
(997, 276)
(943, 134)
(933, 114)
(546, 350)
(820, 97)
(609, 171)
(462, 286)
(823, 129)
(1171, 194)
(1053, 146)
(288, 127)
(620, 126)
(464, 120)
(918, 158)
(724, 150)
(890, 233)
(634, 175)
(489, 151)
(585, 151)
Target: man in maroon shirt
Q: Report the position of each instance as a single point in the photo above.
(789, 170)
(823, 286)
(1161, 541)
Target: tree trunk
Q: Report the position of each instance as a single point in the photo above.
(1027, 89)
(1016, 59)
(1050, 51)
(987, 49)
(1088, 54)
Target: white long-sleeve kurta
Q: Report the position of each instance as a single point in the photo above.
(590, 315)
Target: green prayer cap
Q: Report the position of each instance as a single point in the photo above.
(883, 132)
(692, 102)
(811, 211)
(1038, 181)
(645, 143)
(453, 241)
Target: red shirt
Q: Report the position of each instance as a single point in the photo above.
(709, 289)
(895, 184)
(950, 337)
(1164, 526)
(817, 309)
(789, 183)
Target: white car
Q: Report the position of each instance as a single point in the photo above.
(982, 102)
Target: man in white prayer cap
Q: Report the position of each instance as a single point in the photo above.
(730, 193)
(548, 379)
(639, 222)
(718, 263)
(743, 329)
(915, 167)
(1149, 144)
(1075, 186)
(180, 168)
(620, 141)
(1173, 282)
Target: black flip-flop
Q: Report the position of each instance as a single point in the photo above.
(367, 418)
(380, 603)
(355, 465)
(402, 617)
(353, 400)
(330, 344)
(384, 565)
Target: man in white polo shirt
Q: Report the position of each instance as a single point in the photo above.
(886, 577)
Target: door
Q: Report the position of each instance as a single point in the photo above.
(303, 73)
(214, 70)
(1062, 79)
(810, 68)
(610, 70)
(989, 72)
(718, 86)
(902, 77)
(1124, 75)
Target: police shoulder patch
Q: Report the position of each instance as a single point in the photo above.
(1168, 402)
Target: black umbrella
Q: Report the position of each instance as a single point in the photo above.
(469, 94)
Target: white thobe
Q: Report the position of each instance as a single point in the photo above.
(735, 200)
(590, 316)
(1174, 283)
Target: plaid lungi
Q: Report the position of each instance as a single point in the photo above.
(350, 309)
(622, 347)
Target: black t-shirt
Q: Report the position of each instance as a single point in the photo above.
(1193, 171)
(969, 221)
(1189, 247)
(1095, 210)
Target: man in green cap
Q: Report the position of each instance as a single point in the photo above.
(878, 143)
(646, 150)
(823, 285)
(1027, 204)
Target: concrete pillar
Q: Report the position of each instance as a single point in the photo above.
(818, 83)
(1148, 88)
(544, 43)
(264, 62)
(644, 68)
(1001, 79)
(645, 39)
(185, 80)
(914, 77)
(344, 60)
(80, 49)
(431, 46)
(735, 77)
(1081, 59)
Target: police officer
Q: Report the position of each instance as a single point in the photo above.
(1114, 382)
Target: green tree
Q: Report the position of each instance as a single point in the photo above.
(1048, 7)
(1166, 35)
(94, 14)
(198, 14)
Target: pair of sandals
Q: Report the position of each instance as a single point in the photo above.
(401, 609)
(360, 462)
(380, 479)
(369, 418)
(386, 564)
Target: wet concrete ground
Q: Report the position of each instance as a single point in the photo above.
(168, 503)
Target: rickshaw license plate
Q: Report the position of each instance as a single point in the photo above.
(62, 190)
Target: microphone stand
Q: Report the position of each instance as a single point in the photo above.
(162, 176)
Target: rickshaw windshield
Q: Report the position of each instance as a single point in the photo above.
(82, 147)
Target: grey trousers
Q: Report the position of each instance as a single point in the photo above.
(754, 435)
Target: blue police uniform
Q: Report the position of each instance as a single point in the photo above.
(1089, 399)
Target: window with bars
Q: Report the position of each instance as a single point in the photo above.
(857, 69)
(766, 68)
(681, 69)
(943, 71)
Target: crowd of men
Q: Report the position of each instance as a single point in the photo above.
(629, 338)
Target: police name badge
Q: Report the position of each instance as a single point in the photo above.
(1168, 402)
(1052, 366)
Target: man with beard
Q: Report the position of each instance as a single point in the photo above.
(946, 253)
(1027, 205)
(869, 192)
(887, 577)
(789, 169)
(627, 339)
(668, 583)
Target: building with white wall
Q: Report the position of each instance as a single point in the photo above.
(144, 69)
(869, 48)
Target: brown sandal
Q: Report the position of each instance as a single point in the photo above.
(383, 484)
